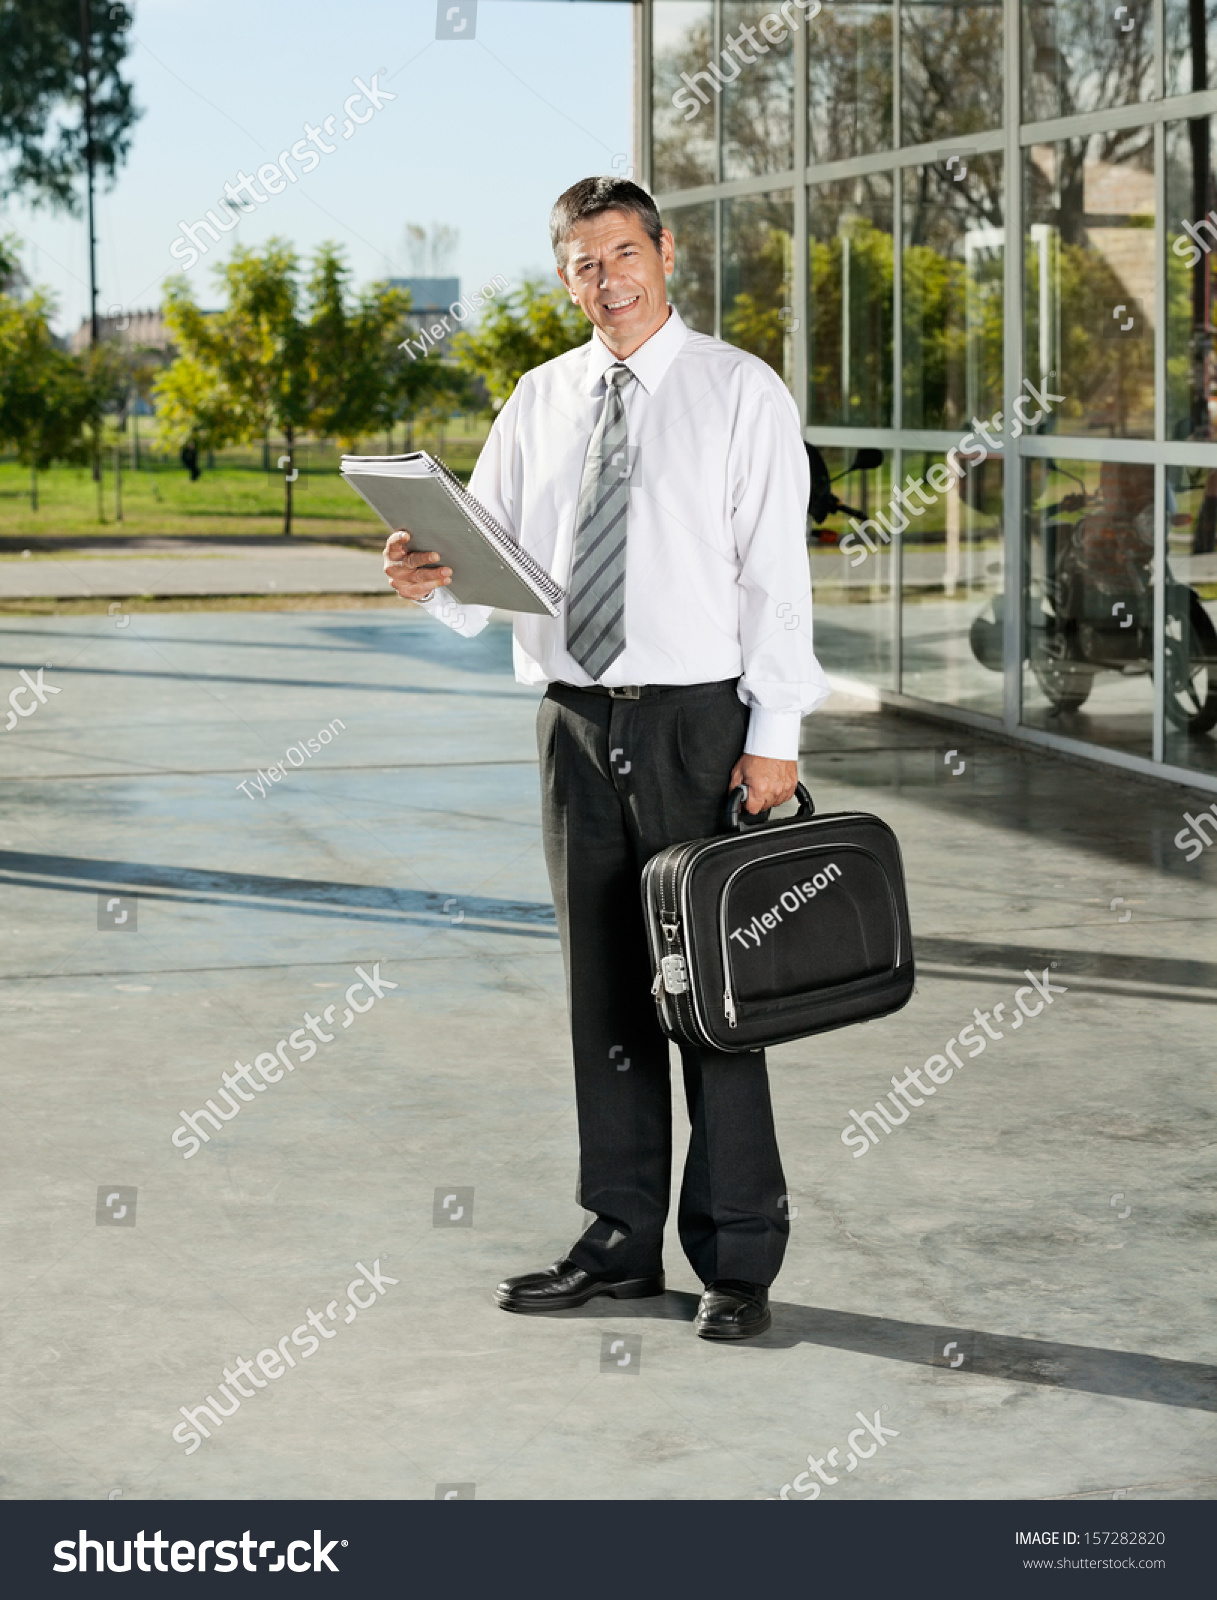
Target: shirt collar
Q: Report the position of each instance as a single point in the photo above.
(649, 362)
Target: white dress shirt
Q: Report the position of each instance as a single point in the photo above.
(718, 583)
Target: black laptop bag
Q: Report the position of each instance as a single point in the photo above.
(777, 930)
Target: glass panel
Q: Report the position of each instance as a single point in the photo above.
(682, 106)
(950, 522)
(1089, 602)
(758, 314)
(1085, 55)
(953, 247)
(691, 286)
(758, 100)
(851, 585)
(951, 61)
(1191, 232)
(1089, 282)
(1191, 618)
(1191, 45)
(849, 82)
(849, 375)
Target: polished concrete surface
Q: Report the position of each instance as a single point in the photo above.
(1018, 1280)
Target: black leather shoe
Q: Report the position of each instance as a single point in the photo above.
(733, 1309)
(564, 1285)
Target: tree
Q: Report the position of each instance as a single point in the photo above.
(517, 333)
(362, 381)
(46, 397)
(289, 358)
(40, 46)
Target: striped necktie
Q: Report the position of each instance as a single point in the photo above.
(595, 608)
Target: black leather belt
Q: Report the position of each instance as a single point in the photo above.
(641, 691)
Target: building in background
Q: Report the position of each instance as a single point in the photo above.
(917, 211)
(429, 297)
(136, 329)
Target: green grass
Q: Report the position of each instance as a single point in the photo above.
(235, 497)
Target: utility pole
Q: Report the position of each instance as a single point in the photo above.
(86, 70)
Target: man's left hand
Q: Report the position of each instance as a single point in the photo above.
(769, 782)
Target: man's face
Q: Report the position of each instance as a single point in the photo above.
(619, 278)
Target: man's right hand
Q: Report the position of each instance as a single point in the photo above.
(412, 574)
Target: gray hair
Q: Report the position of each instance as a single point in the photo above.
(591, 197)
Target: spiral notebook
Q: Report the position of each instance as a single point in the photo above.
(417, 492)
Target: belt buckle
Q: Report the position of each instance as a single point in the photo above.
(627, 691)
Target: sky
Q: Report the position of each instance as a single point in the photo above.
(483, 135)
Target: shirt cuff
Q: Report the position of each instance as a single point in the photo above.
(774, 734)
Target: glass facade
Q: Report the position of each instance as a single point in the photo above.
(1024, 437)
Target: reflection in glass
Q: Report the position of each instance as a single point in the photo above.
(682, 133)
(1089, 281)
(951, 69)
(691, 286)
(852, 587)
(757, 310)
(1191, 45)
(1085, 55)
(758, 100)
(849, 81)
(1191, 618)
(849, 374)
(1191, 262)
(951, 598)
(1089, 601)
(953, 247)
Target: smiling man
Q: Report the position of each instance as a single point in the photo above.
(660, 476)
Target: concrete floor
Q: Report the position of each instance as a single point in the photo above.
(194, 567)
(1049, 1217)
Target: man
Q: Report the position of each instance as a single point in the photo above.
(660, 476)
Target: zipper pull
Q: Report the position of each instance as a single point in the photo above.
(729, 1008)
(658, 984)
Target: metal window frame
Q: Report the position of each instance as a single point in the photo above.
(1011, 139)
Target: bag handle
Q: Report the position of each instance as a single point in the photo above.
(736, 813)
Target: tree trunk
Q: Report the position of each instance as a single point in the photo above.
(288, 475)
(97, 475)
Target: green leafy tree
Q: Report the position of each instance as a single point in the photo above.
(869, 263)
(363, 381)
(41, 126)
(517, 333)
(288, 357)
(46, 397)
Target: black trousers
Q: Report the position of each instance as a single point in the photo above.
(620, 779)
